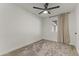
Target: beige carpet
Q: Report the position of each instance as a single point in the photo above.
(45, 48)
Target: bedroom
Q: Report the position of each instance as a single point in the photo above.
(22, 25)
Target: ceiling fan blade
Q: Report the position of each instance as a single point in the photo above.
(46, 5)
(41, 12)
(49, 12)
(53, 7)
(38, 8)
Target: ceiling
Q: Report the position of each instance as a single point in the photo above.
(64, 7)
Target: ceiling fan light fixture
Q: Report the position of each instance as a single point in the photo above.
(45, 12)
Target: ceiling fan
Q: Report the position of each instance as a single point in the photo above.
(46, 9)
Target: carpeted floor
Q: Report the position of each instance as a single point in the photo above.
(45, 48)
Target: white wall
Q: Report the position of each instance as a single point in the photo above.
(17, 28)
(72, 27)
(47, 29)
(75, 26)
(77, 18)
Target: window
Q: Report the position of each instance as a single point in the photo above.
(53, 29)
(54, 26)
